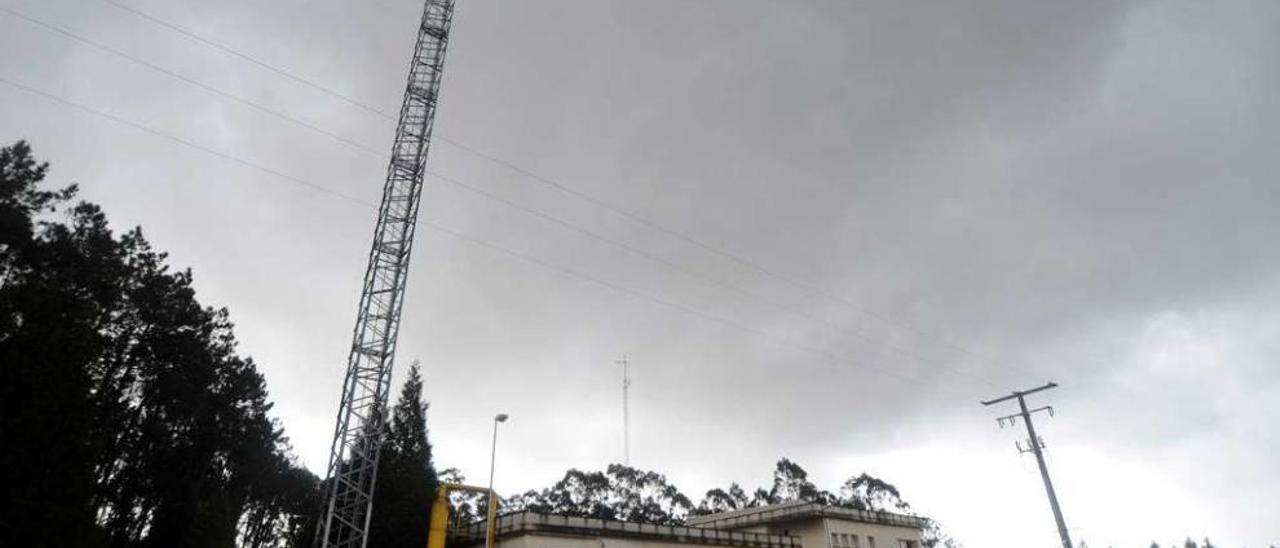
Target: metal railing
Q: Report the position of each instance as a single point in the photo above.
(801, 510)
(532, 522)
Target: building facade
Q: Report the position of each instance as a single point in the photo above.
(791, 525)
(822, 526)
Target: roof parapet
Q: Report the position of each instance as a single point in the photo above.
(797, 510)
(526, 522)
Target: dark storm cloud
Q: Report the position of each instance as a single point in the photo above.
(1004, 191)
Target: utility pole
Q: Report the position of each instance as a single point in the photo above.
(1036, 448)
(626, 419)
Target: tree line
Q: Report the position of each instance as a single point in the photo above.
(127, 417)
(627, 494)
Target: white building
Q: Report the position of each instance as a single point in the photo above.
(820, 526)
(790, 525)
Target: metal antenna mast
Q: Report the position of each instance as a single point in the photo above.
(1037, 445)
(626, 417)
(353, 458)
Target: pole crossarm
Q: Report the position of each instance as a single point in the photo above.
(1021, 393)
(1013, 419)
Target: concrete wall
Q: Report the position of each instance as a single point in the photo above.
(886, 536)
(816, 533)
(811, 532)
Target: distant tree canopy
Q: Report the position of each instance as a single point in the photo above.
(620, 493)
(127, 416)
(628, 494)
(1189, 543)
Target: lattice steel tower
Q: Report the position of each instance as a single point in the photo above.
(353, 459)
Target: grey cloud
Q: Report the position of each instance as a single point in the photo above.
(1079, 191)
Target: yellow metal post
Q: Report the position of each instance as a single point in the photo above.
(439, 530)
(439, 518)
(491, 529)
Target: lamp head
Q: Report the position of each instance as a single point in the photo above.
(502, 417)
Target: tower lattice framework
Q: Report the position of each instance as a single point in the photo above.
(353, 458)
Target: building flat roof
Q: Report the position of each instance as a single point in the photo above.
(798, 510)
(526, 522)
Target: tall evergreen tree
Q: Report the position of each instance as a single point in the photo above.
(134, 423)
(407, 481)
(53, 301)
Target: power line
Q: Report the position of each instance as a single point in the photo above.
(246, 57)
(494, 197)
(191, 81)
(569, 272)
(185, 142)
(806, 287)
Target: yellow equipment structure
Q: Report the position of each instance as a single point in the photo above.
(440, 514)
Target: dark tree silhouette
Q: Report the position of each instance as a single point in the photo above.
(134, 421)
(791, 483)
(628, 494)
(866, 492)
(406, 483)
(719, 500)
(620, 492)
(52, 303)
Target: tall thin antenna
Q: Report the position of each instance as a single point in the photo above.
(626, 417)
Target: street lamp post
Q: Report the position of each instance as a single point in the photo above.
(493, 503)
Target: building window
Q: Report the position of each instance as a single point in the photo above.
(856, 543)
(844, 541)
(906, 543)
(871, 541)
(835, 540)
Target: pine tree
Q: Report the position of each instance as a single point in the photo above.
(52, 301)
(407, 480)
(134, 423)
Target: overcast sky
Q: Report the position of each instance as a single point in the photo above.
(843, 224)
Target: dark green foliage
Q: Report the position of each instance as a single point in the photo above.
(791, 483)
(618, 493)
(867, 492)
(646, 497)
(719, 500)
(52, 305)
(628, 494)
(133, 420)
(406, 482)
